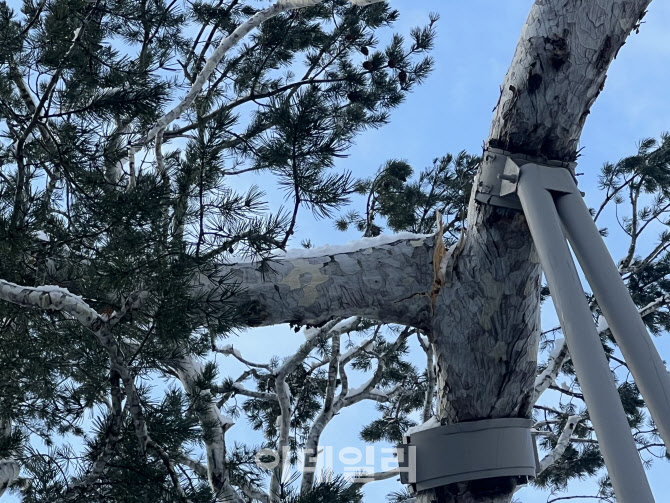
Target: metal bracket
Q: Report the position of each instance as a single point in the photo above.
(499, 173)
(469, 451)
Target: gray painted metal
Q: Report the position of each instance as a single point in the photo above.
(497, 174)
(644, 362)
(600, 393)
(489, 181)
(470, 451)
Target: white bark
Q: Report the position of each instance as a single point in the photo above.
(284, 398)
(558, 356)
(558, 71)
(561, 444)
(50, 297)
(390, 282)
(214, 424)
(9, 468)
(9, 472)
(229, 350)
(346, 398)
(226, 44)
(429, 396)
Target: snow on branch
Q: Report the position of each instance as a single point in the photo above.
(655, 305)
(561, 444)
(367, 390)
(50, 297)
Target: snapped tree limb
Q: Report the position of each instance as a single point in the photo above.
(388, 282)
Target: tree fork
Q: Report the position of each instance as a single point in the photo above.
(486, 325)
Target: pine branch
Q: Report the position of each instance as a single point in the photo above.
(211, 421)
(115, 420)
(60, 299)
(19, 211)
(558, 356)
(561, 444)
(225, 45)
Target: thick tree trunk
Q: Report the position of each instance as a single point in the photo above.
(558, 71)
(486, 324)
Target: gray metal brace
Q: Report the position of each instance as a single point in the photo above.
(498, 175)
(554, 209)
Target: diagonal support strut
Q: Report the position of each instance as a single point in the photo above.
(548, 195)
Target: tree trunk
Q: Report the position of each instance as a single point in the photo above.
(486, 324)
(388, 282)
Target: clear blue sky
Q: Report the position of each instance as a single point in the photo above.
(452, 112)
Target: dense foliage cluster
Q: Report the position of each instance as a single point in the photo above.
(79, 82)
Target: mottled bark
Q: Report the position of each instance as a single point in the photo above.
(486, 331)
(389, 282)
(214, 426)
(9, 468)
(486, 324)
(558, 71)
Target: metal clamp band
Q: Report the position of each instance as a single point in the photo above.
(498, 174)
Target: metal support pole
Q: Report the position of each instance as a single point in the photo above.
(623, 318)
(600, 393)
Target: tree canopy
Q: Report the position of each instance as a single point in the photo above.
(130, 253)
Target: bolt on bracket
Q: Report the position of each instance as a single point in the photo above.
(498, 175)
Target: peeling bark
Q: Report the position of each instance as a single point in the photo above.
(389, 282)
(558, 71)
(486, 325)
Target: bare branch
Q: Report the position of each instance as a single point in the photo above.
(558, 356)
(561, 445)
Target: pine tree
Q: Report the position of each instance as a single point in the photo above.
(156, 255)
(124, 237)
